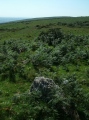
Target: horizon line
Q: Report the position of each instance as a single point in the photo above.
(40, 16)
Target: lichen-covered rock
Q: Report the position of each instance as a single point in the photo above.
(44, 85)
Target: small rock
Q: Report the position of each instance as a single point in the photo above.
(44, 85)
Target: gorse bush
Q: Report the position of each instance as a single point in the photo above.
(52, 37)
(42, 56)
(10, 52)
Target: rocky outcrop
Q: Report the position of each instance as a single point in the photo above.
(49, 90)
(44, 85)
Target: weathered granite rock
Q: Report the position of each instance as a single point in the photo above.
(44, 85)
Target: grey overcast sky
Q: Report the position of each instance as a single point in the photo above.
(43, 8)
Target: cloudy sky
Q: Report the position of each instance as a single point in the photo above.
(43, 8)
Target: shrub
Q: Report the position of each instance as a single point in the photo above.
(52, 37)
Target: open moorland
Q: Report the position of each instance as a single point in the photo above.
(56, 48)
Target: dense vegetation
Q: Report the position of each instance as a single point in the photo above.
(57, 48)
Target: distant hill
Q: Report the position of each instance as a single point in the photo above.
(9, 19)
